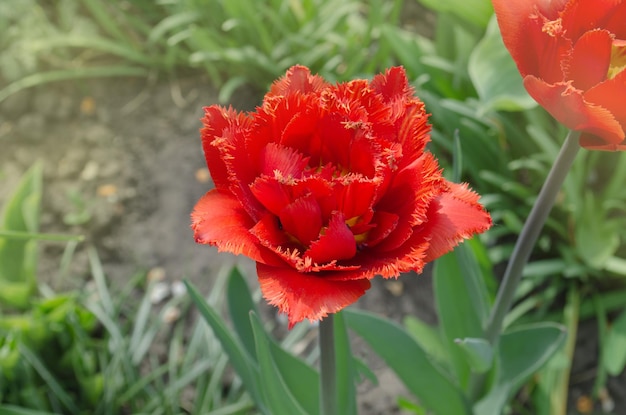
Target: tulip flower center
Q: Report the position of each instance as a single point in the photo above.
(553, 28)
(618, 58)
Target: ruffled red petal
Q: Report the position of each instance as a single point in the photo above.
(219, 220)
(302, 219)
(298, 79)
(335, 243)
(219, 121)
(282, 161)
(272, 194)
(581, 16)
(307, 296)
(409, 256)
(454, 216)
(534, 50)
(384, 223)
(590, 59)
(610, 95)
(569, 106)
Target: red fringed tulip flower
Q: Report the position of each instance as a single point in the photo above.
(326, 186)
(572, 56)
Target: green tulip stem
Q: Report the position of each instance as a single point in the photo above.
(328, 375)
(530, 233)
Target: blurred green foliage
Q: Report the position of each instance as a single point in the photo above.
(92, 352)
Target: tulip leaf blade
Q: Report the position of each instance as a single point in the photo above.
(276, 393)
(457, 296)
(521, 352)
(240, 303)
(478, 352)
(345, 367)
(614, 357)
(429, 338)
(495, 76)
(409, 361)
(301, 379)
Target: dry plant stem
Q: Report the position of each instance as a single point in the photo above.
(328, 375)
(528, 237)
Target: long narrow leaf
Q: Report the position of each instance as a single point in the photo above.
(69, 74)
(410, 362)
(277, 395)
(345, 371)
(51, 382)
(459, 315)
(240, 304)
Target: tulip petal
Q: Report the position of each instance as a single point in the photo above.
(218, 121)
(593, 142)
(454, 216)
(297, 79)
(569, 106)
(615, 20)
(272, 194)
(611, 94)
(302, 219)
(535, 51)
(590, 59)
(392, 85)
(281, 160)
(582, 15)
(385, 223)
(219, 220)
(335, 243)
(409, 256)
(309, 296)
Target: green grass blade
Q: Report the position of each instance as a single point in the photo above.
(51, 382)
(70, 74)
(243, 364)
(16, 410)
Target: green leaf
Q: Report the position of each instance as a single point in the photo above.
(597, 237)
(243, 364)
(478, 353)
(346, 370)
(476, 12)
(615, 348)
(277, 396)
(552, 381)
(495, 76)
(524, 349)
(410, 362)
(16, 410)
(240, 304)
(429, 339)
(48, 377)
(41, 78)
(18, 257)
(521, 352)
(458, 299)
(302, 380)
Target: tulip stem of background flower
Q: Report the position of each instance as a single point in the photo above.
(328, 375)
(529, 235)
